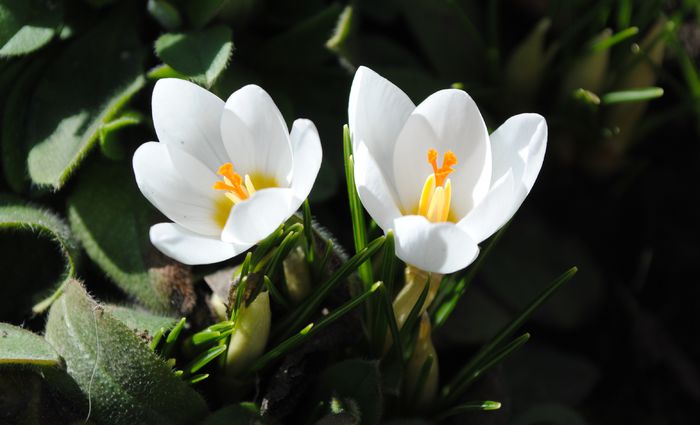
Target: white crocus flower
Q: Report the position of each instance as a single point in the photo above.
(439, 210)
(227, 174)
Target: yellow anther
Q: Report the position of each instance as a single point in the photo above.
(436, 196)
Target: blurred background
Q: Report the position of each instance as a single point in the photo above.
(617, 81)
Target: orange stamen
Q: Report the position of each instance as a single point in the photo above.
(232, 181)
(449, 159)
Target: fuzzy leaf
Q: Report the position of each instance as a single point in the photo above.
(17, 217)
(77, 96)
(141, 322)
(111, 219)
(200, 55)
(125, 381)
(20, 346)
(27, 25)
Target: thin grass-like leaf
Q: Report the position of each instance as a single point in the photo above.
(171, 339)
(633, 95)
(614, 39)
(313, 302)
(486, 351)
(498, 357)
(470, 406)
(197, 378)
(203, 359)
(443, 310)
(309, 233)
(311, 329)
(357, 213)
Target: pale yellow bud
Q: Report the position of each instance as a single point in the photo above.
(424, 354)
(250, 334)
(296, 274)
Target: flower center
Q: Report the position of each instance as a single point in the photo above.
(436, 196)
(237, 189)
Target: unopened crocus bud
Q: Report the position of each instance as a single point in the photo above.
(416, 280)
(588, 71)
(250, 334)
(524, 69)
(422, 369)
(296, 274)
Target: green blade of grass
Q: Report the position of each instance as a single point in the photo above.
(507, 331)
(205, 358)
(357, 214)
(634, 95)
(313, 302)
(311, 329)
(614, 39)
(309, 233)
(499, 356)
(443, 310)
(171, 339)
(470, 406)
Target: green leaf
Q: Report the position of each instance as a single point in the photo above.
(141, 322)
(27, 25)
(18, 217)
(110, 145)
(358, 380)
(20, 346)
(200, 55)
(125, 381)
(77, 96)
(200, 12)
(111, 219)
(634, 95)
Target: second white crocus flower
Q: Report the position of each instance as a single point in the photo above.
(227, 174)
(433, 175)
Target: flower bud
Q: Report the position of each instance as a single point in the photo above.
(250, 334)
(408, 297)
(296, 274)
(528, 60)
(422, 369)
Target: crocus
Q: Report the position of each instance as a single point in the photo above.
(433, 175)
(227, 174)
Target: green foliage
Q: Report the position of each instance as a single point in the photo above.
(201, 56)
(124, 381)
(27, 25)
(114, 233)
(19, 217)
(73, 100)
(20, 346)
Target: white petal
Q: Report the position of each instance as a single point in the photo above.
(256, 136)
(446, 120)
(376, 195)
(518, 146)
(377, 111)
(188, 117)
(433, 247)
(190, 248)
(493, 211)
(307, 155)
(256, 218)
(183, 198)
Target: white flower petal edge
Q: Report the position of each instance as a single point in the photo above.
(435, 247)
(191, 248)
(187, 116)
(306, 155)
(184, 201)
(374, 192)
(266, 134)
(253, 220)
(377, 112)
